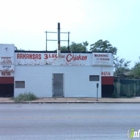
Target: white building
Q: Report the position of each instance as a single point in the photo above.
(46, 75)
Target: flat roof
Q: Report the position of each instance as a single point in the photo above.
(22, 51)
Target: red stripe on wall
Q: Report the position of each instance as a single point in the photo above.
(107, 80)
(6, 80)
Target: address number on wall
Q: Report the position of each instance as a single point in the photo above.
(106, 73)
(5, 73)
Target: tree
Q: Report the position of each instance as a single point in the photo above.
(136, 70)
(103, 46)
(64, 48)
(121, 66)
(76, 47)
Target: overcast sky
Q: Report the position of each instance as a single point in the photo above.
(24, 22)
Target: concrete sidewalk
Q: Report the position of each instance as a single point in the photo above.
(75, 100)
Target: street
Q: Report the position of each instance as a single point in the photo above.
(64, 121)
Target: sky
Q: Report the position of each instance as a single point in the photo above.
(24, 22)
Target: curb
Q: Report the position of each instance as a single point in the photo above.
(67, 102)
(72, 101)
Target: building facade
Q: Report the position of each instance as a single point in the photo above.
(46, 75)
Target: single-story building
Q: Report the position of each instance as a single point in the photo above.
(47, 75)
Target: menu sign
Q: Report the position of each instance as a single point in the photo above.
(6, 60)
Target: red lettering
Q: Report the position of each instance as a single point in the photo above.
(33, 56)
(18, 56)
(36, 56)
(5, 73)
(53, 56)
(45, 56)
(28, 56)
(69, 57)
(106, 73)
(39, 57)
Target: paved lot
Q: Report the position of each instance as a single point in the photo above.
(68, 121)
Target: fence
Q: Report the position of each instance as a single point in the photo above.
(126, 87)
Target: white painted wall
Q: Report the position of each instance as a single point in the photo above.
(38, 79)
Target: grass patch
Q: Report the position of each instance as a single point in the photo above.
(25, 97)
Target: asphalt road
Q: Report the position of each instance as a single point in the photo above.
(108, 121)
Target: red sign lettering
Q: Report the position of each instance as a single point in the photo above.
(5, 73)
(106, 73)
(46, 56)
(73, 57)
(28, 56)
(69, 57)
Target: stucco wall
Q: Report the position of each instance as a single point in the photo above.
(38, 79)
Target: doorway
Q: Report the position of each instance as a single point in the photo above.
(58, 85)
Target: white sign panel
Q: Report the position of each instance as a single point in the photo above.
(103, 59)
(7, 60)
(65, 59)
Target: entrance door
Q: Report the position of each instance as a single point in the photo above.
(58, 85)
(6, 90)
(6, 86)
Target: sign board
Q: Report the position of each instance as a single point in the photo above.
(103, 59)
(66, 59)
(6, 60)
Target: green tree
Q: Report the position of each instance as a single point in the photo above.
(136, 69)
(76, 47)
(103, 46)
(121, 66)
(64, 48)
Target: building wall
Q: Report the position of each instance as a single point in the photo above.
(36, 68)
(7, 70)
(38, 79)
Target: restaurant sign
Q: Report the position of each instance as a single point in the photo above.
(75, 59)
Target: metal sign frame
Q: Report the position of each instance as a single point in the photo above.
(68, 40)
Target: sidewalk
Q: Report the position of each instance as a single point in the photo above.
(75, 100)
